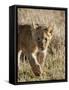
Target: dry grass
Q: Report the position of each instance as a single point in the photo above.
(54, 68)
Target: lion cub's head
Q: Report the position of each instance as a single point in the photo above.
(43, 36)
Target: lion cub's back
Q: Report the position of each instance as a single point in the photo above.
(25, 39)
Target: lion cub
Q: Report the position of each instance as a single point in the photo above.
(33, 43)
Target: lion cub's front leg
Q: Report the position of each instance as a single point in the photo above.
(36, 68)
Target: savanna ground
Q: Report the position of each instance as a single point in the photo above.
(54, 68)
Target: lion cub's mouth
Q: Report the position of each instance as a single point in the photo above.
(42, 48)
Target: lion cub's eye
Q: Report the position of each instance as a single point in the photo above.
(38, 39)
(45, 39)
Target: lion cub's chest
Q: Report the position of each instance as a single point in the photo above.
(39, 56)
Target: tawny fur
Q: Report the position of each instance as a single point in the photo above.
(34, 43)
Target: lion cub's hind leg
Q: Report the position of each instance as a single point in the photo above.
(19, 62)
(21, 58)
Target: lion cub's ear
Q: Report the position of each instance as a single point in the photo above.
(50, 29)
(35, 25)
